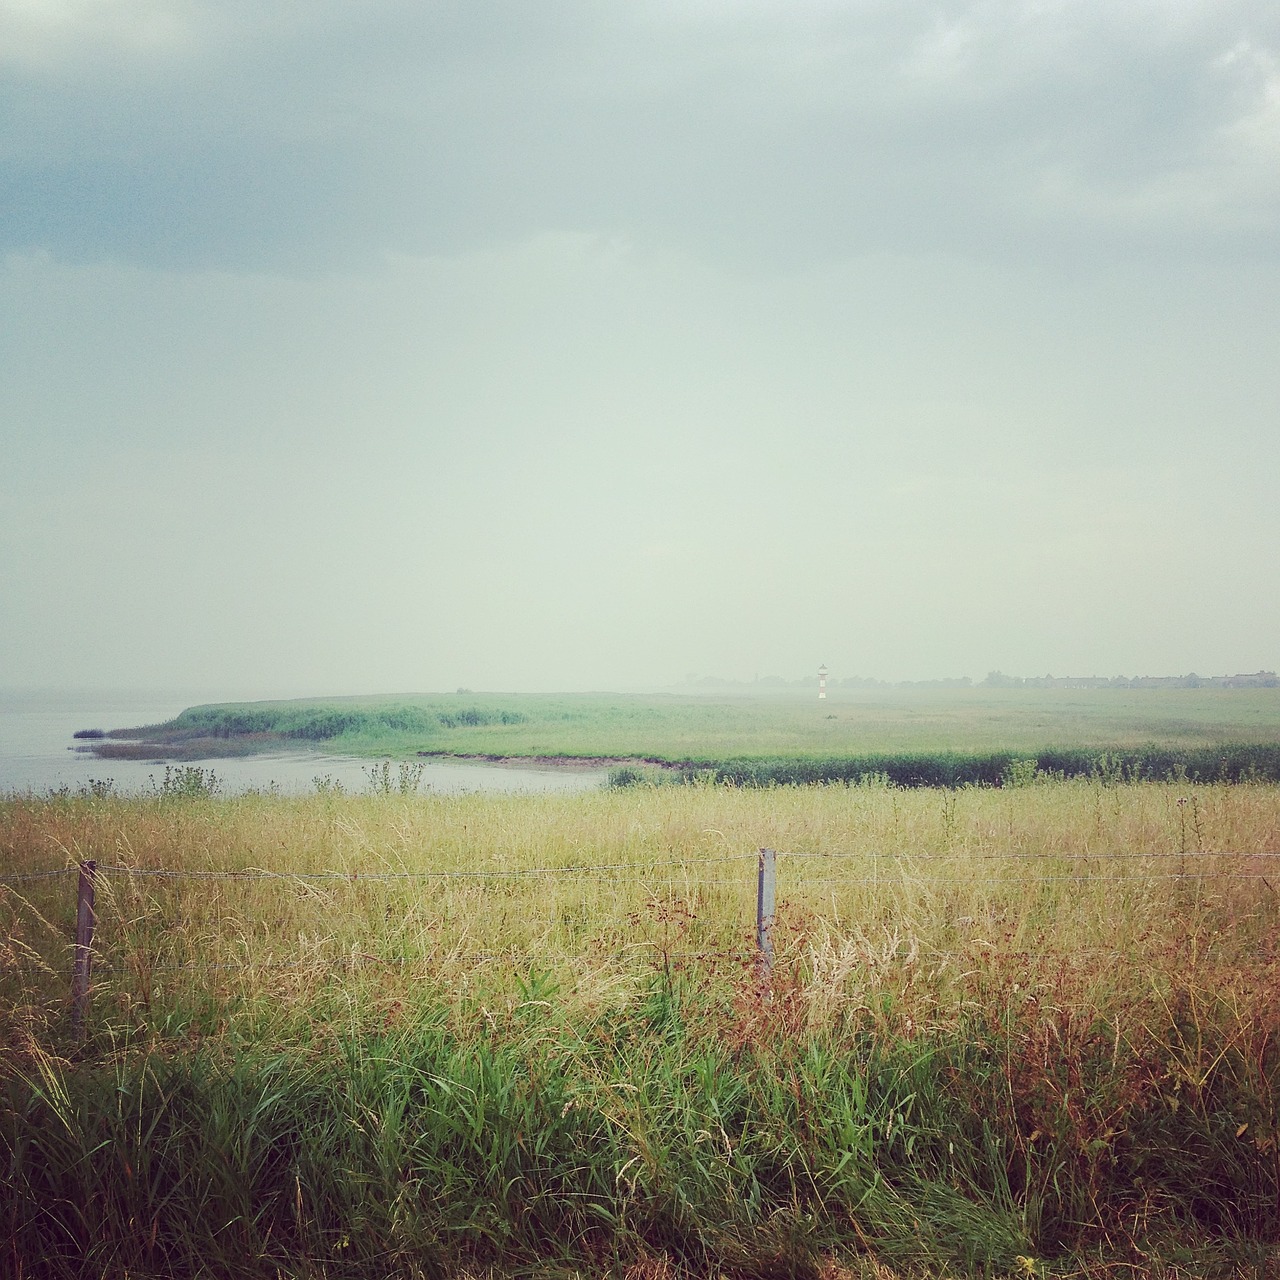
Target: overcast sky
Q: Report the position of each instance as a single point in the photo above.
(545, 344)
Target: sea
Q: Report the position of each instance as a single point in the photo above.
(39, 755)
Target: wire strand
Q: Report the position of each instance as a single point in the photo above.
(258, 873)
(23, 878)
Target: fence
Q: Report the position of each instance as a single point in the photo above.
(90, 872)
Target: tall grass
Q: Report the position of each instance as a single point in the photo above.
(974, 1048)
(1229, 762)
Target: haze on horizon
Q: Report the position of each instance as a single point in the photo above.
(357, 348)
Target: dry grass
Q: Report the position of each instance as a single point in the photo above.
(929, 895)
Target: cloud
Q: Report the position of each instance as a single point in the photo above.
(51, 36)
(300, 137)
(560, 343)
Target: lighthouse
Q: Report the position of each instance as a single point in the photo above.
(822, 682)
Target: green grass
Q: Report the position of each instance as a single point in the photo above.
(376, 1141)
(1001, 1026)
(714, 729)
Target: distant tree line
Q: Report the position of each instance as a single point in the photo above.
(998, 680)
(1253, 680)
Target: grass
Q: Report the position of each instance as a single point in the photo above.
(1227, 763)
(1004, 1035)
(714, 729)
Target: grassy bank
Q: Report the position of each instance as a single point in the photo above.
(971, 721)
(1032, 1023)
(1228, 763)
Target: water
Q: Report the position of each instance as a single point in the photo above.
(37, 754)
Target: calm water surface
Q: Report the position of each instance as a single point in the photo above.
(37, 754)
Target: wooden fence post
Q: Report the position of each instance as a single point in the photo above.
(84, 945)
(766, 893)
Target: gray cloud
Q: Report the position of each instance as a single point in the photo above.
(296, 136)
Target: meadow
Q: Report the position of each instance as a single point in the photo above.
(1014, 1031)
(710, 729)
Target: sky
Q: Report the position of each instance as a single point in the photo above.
(392, 346)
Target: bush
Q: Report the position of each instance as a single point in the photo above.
(186, 782)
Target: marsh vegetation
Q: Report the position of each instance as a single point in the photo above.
(924, 737)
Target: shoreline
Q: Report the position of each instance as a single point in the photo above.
(156, 752)
(580, 763)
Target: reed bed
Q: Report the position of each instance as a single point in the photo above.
(1030, 1030)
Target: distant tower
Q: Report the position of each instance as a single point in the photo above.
(822, 682)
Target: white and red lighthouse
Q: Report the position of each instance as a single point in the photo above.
(822, 682)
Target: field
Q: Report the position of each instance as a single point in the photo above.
(1016, 1031)
(911, 737)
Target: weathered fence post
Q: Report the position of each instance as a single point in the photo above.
(766, 893)
(84, 945)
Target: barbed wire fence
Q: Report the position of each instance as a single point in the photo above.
(89, 872)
